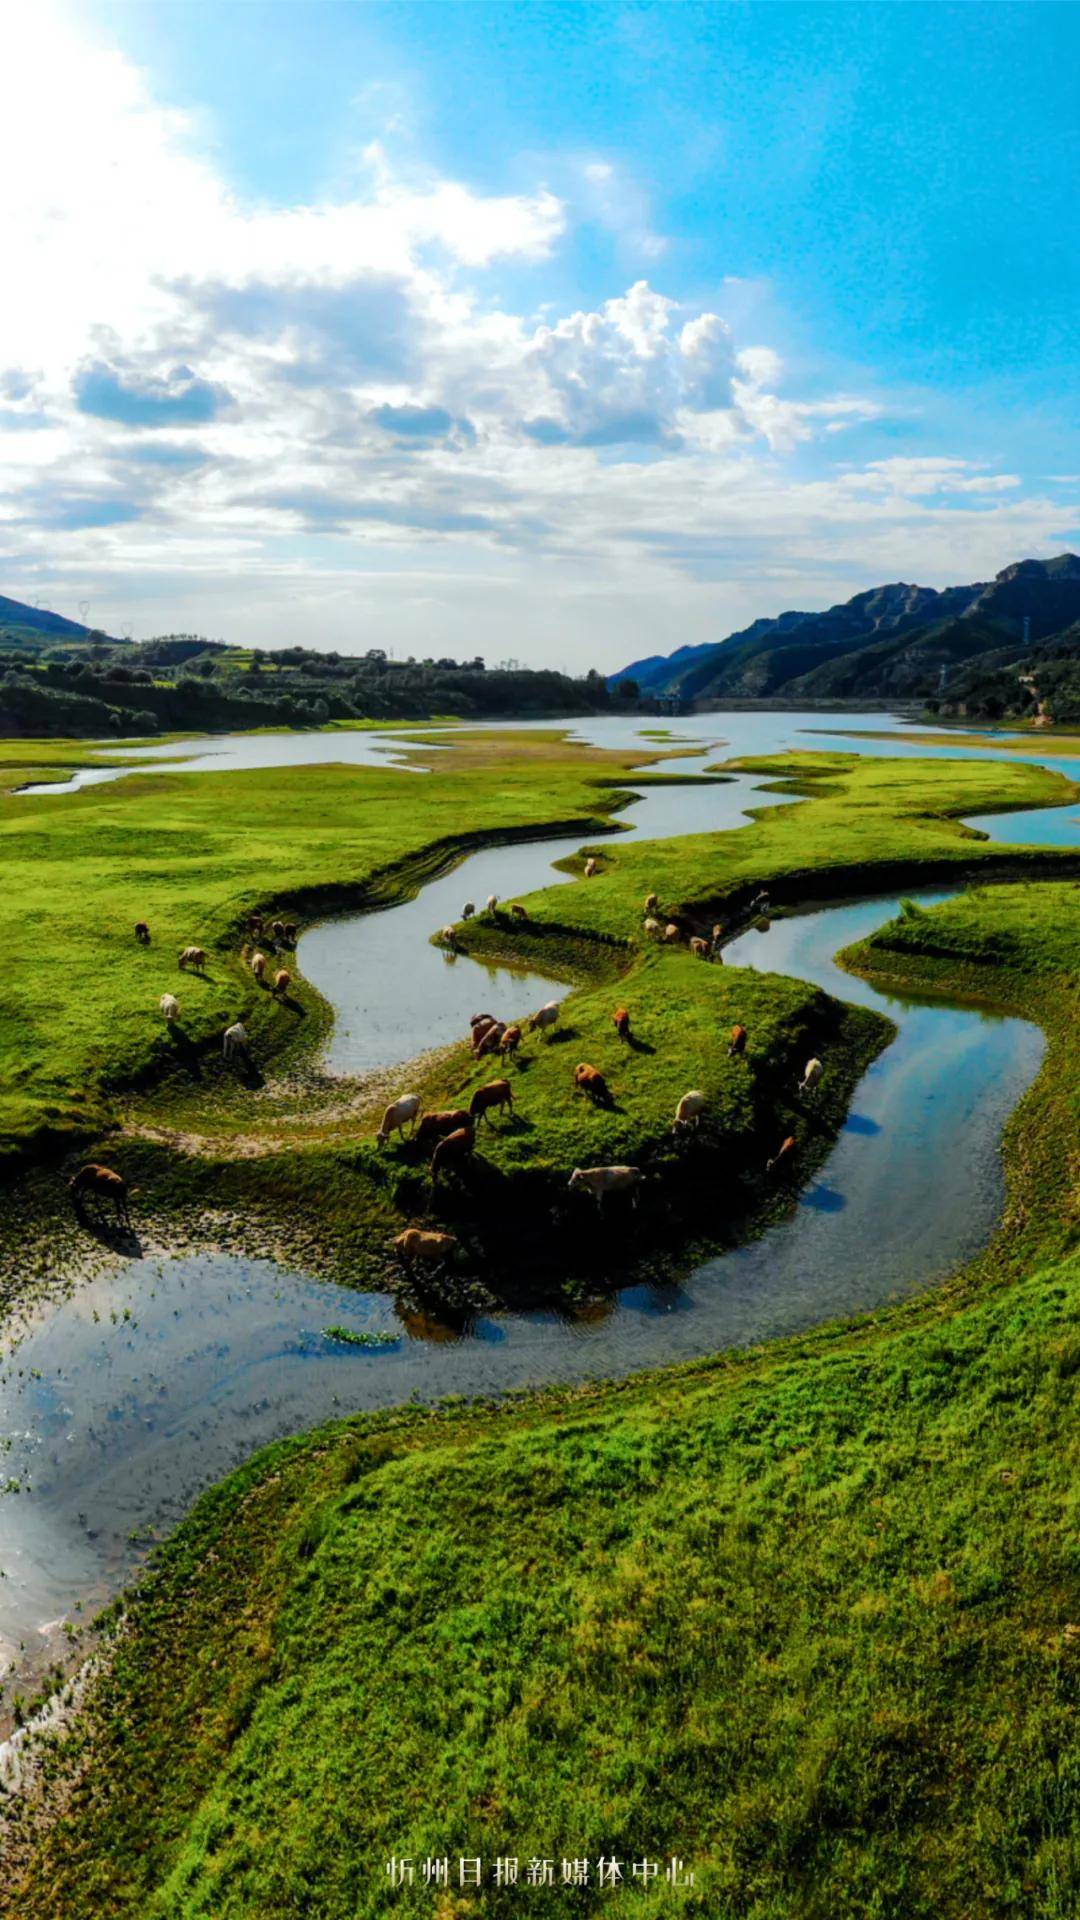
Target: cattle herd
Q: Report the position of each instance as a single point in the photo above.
(449, 1134)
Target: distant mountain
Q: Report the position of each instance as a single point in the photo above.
(36, 627)
(890, 642)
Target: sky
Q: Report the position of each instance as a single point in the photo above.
(561, 333)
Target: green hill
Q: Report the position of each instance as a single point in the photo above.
(896, 642)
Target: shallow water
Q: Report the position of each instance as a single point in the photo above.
(119, 1404)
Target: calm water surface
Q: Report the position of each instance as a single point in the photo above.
(119, 1404)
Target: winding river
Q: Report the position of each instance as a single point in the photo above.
(118, 1404)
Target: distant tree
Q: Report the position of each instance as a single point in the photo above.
(629, 690)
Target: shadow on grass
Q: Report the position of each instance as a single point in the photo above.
(111, 1233)
(186, 1051)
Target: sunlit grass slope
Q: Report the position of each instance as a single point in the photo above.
(191, 854)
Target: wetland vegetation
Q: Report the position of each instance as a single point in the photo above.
(806, 1615)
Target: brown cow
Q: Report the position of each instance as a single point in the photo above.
(278, 930)
(437, 1124)
(452, 1150)
(192, 957)
(518, 912)
(671, 932)
(255, 923)
(783, 1156)
(497, 1093)
(415, 1246)
(105, 1184)
(142, 933)
(282, 982)
(591, 1081)
(700, 947)
(620, 1020)
(510, 1041)
(490, 1040)
(737, 1043)
(292, 932)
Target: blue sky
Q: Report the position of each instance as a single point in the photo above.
(565, 331)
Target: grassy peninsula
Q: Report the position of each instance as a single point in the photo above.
(194, 853)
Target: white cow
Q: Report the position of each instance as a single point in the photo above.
(600, 1181)
(547, 1017)
(170, 1007)
(814, 1071)
(235, 1040)
(398, 1115)
(690, 1108)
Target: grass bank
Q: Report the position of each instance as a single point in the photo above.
(292, 1169)
(807, 1617)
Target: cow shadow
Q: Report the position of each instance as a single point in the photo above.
(294, 1006)
(246, 1073)
(111, 1233)
(638, 1046)
(558, 1036)
(186, 1051)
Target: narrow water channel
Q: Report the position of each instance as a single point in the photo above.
(118, 1405)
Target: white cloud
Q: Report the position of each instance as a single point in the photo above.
(263, 419)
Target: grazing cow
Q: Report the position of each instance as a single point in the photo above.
(468, 910)
(255, 923)
(497, 1093)
(282, 982)
(415, 1247)
(718, 933)
(620, 1020)
(480, 1019)
(699, 946)
(671, 932)
(690, 1109)
(452, 1149)
(737, 1043)
(292, 933)
(760, 902)
(814, 1071)
(142, 933)
(490, 1040)
(278, 931)
(192, 957)
(600, 1181)
(652, 903)
(398, 1115)
(547, 1018)
(518, 912)
(104, 1184)
(259, 965)
(235, 1040)
(170, 1007)
(435, 1126)
(591, 1081)
(510, 1042)
(652, 926)
(449, 938)
(783, 1156)
(491, 903)
(590, 866)
(483, 1029)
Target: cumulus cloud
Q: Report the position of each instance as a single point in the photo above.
(340, 406)
(177, 398)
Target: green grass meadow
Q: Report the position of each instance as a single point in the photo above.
(806, 1616)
